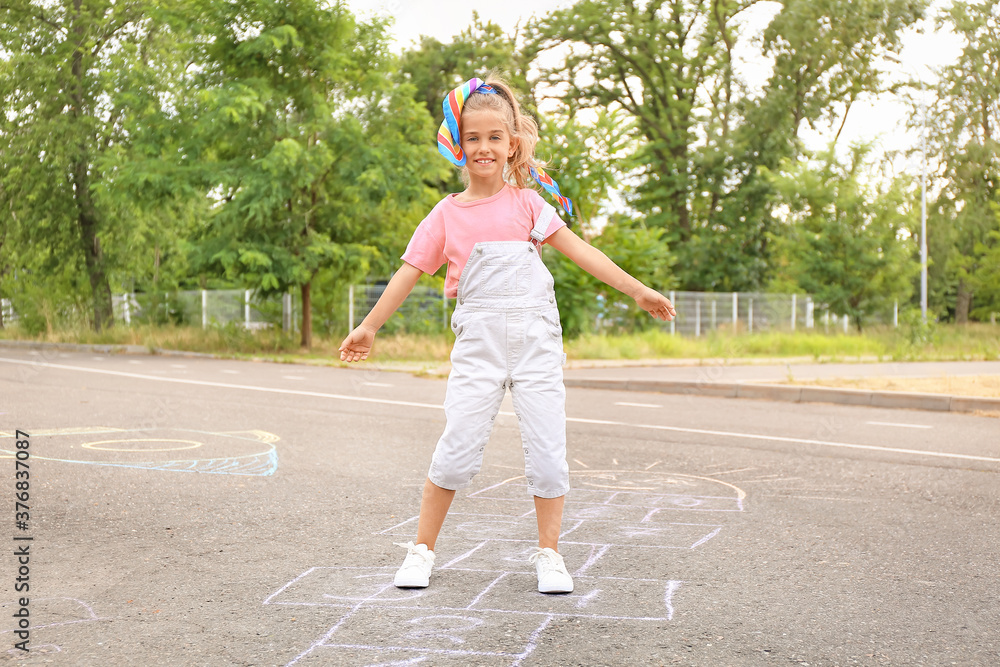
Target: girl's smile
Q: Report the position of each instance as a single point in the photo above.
(487, 144)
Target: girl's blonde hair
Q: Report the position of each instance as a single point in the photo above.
(519, 126)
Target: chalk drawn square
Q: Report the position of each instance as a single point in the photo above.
(680, 501)
(623, 514)
(504, 555)
(476, 527)
(519, 491)
(594, 597)
(651, 534)
(372, 586)
(364, 656)
(482, 637)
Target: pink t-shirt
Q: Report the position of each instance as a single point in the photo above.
(453, 228)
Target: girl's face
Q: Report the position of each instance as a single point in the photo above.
(487, 145)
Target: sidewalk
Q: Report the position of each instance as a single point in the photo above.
(742, 380)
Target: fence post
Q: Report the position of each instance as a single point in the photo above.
(750, 315)
(444, 308)
(350, 308)
(125, 314)
(736, 310)
(673, 300)
(895, 314)
(246, 309)
(286, 312)
(845, 322)
(793, 312)
(204, 309)
(697, 317)
(713, 314)
(810, 313)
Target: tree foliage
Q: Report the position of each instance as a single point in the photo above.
(703, 134)
(843, 237)
(81, 84)
(963, 124)
(313, 155)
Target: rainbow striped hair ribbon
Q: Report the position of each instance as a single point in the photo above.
(450, 140)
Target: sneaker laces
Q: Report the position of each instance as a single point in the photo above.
(415, 554)
(551, 560)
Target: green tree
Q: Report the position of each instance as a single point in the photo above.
(703, 135)
(313, 152)
(584, 301)
(844, 236)
(965, 118)
(77, 77)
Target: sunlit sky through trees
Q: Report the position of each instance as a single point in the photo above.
(880, 119)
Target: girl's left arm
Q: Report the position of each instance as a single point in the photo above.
(599, 265)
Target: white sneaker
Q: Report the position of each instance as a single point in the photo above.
(415, 572)
(552, 574)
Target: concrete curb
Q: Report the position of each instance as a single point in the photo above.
(103, 349)
(799, 394)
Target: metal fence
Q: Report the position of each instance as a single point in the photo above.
(427, 310)
(7, 311)
(698, 313)
(208, 308)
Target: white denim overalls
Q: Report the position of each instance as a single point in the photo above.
(507, 334)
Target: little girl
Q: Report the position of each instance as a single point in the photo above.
(506, 324)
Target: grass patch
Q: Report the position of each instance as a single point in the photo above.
(914, 343)
(718, 345)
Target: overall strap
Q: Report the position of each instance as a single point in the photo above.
(542, 224)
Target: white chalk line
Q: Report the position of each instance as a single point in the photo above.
(412, 649)
(668, 598)
(322, 640)
(352, 609)
(486, 590)
(532, 641)
(465, 555)
(577, 420)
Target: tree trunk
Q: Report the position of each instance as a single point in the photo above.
(963, 301)
(87, 218)
(87, 212)
(307, 323)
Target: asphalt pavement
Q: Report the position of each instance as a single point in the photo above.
(192, 511)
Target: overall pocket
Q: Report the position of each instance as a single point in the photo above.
(505, 278)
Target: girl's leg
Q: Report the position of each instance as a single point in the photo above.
(433, 509)
(549, 512)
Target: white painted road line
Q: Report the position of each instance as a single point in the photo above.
(576, 420)
(899, 425)
(638, 405)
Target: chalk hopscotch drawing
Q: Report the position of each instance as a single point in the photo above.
(49, 612)
(250, 452)
(487, 590)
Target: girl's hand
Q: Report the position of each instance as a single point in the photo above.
(655, 304)
(357, 345)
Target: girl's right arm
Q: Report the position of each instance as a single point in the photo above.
(359, 342)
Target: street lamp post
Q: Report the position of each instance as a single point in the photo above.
(923, 208)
